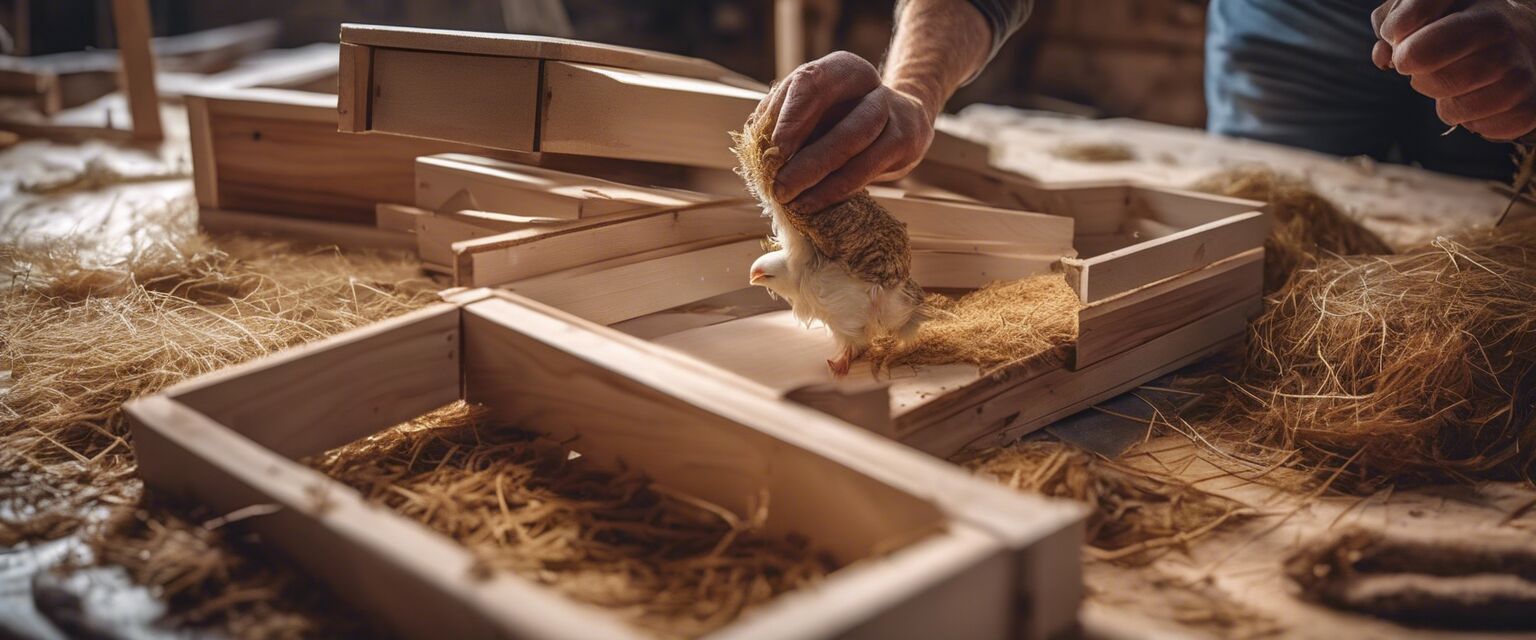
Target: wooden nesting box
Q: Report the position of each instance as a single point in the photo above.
(272, 160)
(1165, 277)
(929, 551)
(530, 93)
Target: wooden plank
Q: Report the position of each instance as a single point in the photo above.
(994, 414)
(1129, 320)
(608, 294)
(966, 270)
(351, 236)
(205, 169)
(542, 47)
(1122, 270)
(1025, 231)
(865, 404)
(616, 113)
(534, 252)
(487, 184)
(397, 217)
(279, 152)
(436, 233)
(131, 18)
(1185, 209)
(383, 564)
(312, 398)
(354, 77)
(481, 100)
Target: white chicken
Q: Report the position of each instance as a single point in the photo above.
(848, 266)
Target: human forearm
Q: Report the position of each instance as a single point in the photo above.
(938, 45)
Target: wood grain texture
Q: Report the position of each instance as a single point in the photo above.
(616, 113)
(279, 152)
(487, 184)
(205, 171)
(306, 400)
(542, 47)
(1127, 321)
(973, 270)
(1020, 231)
(397, 217)
(486, 101)
(534, 252)
(1103, 276)
(606, 293)
(354, 78)
(132, 21)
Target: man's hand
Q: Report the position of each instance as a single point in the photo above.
(1477, 59)
(841, 129)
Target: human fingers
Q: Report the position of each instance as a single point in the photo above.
(1470, 73)
(1448, 40)
(1513, 91)
(814, 88)
(884, 152)
(1405, 17)
(846, 139)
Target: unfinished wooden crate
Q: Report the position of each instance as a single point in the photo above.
(928, 550)
(271, 160)
(1165, 277)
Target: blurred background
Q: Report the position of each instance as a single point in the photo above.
(1135, 58)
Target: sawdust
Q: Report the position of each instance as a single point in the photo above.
(1094, 152)
(666, 562)
(1137, 516)
(1307, 225)
(999, 326)
(1420, 366)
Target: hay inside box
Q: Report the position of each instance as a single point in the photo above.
(925, 550)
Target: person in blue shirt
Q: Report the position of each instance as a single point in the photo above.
(1446, 84)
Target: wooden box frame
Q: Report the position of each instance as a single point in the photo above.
(1174, 276)
(990, 562)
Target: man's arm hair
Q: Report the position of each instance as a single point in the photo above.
(940, 45)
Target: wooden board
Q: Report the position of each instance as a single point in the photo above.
(480, 100)
(519, 255)
(449, 182)
(1124, 322)
(132, 22)
(635, 115)
(1103, 276)
(278, 152)
(351, 236)
(932, 550)
(541, 47)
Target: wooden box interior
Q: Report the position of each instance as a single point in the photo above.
(929, 551)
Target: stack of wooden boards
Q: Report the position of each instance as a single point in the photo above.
(590, 185)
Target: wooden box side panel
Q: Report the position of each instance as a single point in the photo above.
(1105, 276)
(341, 234)
(612, 402)
(308, 399)
(518, 256)
(1131, 319)
(419, 583)
(481, 100)
(633, 115)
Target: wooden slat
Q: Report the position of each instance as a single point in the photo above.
(1025, 231)
(616, 113)
(312, 398)
(966, 270)
(487, 184)
(1122, 270)
(354, 77)
(205, 170)
(131, 18)
(606, 295)
(1185, 209)
(397, 217)
(541, 47)
(995, 413)
(1127, 321)
(534, 252)
(481, 100)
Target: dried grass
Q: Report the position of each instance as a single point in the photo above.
(666, 562)
(1415, 366)
(999, 326)
(1307, 225)
(1137, 516)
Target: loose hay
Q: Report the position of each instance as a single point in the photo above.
(1416, 366)
(1307, 225)
(1137, 516)
(1094, 152)
(996, 327)
(665, 562)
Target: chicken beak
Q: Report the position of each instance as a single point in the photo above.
(756, 277)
